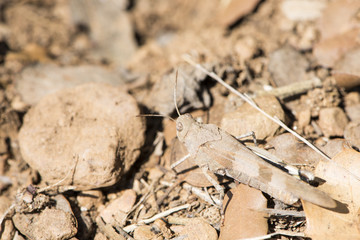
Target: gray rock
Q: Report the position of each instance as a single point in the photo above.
(35, 82)
(287, 66)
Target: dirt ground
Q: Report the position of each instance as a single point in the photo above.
(80, 160)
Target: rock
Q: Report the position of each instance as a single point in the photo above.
(246, 119)
(30, 23)
(337, 18)
(235, 10)
(100, 236)
(304, 118)
(346, 71)
(352, 98)
(49, 224)
(109, 26)
(91, 129)
(198, 229)
(161, 226)
(37, 81)
(352, 133)
(302, 10)
(143, 233)
(353, 112)
(54, 222)
(287, 66)
(116, 212)
(89, 199)
(246, 47)
(332, 121)
(211, 215)
(330, 50)
(189, 91)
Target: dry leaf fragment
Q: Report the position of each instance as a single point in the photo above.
(243, 214)
(342, 222)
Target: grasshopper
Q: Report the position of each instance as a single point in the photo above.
(217, 151)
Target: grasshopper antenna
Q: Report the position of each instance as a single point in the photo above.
(175, 98)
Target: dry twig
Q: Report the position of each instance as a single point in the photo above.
(132, 227)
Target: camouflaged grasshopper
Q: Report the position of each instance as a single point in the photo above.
(214, 150)
(217, 151)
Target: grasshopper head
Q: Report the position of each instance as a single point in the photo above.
(183, 124)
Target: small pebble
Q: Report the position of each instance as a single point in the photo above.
(143, 233)
(287, 66)
(353, 112)
(332, 121)
(116, 211)
(198, 229)
(352, 133)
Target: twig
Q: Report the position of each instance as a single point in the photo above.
(168, 191)
(132, 227)
(203, 195)
(142, 199)
(292, 89)
(123, 233)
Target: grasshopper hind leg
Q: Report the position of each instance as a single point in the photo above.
(218, 188)
(214, 182)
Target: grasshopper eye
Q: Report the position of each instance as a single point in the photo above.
(179, 126)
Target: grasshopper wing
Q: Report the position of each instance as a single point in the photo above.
(240, 163)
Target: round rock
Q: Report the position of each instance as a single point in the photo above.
(89, 135)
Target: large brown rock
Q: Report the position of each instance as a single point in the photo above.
(89, 134)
